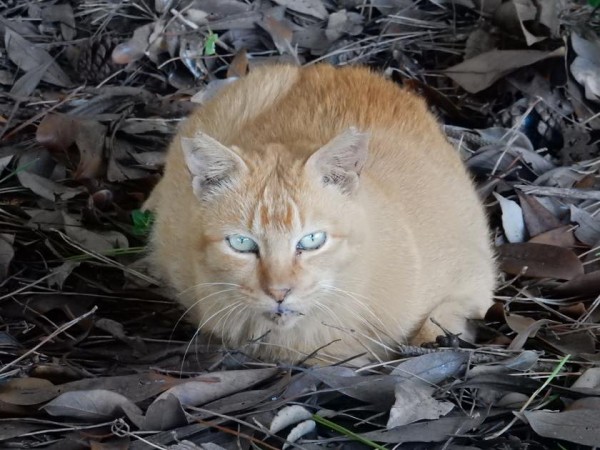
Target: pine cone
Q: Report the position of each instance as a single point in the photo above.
(94, 63)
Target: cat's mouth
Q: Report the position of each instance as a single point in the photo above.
(282, 315)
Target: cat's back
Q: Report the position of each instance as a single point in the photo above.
(287, 104)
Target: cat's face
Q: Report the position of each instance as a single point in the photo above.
(275, 232)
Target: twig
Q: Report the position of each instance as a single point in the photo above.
(581, 194)
(51, 336)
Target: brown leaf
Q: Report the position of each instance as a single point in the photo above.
(582, 285)
(281, 34)
(27, 56)
(134, 48)
(57, 132)
(537, 218)
(539, 261)
(525, 327)
(27, 391)
(239, 65)
(480, 72)
(559, 237)
(90, 142)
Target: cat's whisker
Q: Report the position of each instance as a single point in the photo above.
(183, 292)
(193, 305)
(353, 296)
(234, 313)
(199, 328)
(235, 302)
(377, 339)
(354, 334)
(187, 348)
(364, 306)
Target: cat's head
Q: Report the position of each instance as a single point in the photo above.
(276, 231)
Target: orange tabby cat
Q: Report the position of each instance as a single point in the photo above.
(319, 207)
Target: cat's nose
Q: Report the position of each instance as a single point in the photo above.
(278, 294)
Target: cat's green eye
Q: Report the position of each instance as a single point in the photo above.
(312, 241)
(242, 244)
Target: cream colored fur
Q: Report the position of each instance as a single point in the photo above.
(408, 242)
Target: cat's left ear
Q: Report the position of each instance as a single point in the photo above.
(213, 166)
(341, 160)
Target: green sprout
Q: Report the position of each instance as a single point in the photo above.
(209, 43)
(142, 221)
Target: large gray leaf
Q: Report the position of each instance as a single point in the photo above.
(433, 367)
(28, 57)
(581, 426)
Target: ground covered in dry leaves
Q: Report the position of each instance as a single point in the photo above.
(91, 92)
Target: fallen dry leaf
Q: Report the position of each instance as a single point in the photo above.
(537, 218)
(581, 426)
(539, 261)
(432, 368)
(512, 219)
(587, 284)
(588, 230)
(95, 405)
(414, 401)
(57, 132)
(195, 393)
(559, 237)
(312, 8)
(28, 56)
(478, 73)
(7, 253)
(164, 414)
(89, 139)
(46, 188)
(586, 65)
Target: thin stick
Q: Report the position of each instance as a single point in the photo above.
(55, 333)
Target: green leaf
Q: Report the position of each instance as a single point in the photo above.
(345, 431)
(209, 44)
(594, 3)
(142, 221)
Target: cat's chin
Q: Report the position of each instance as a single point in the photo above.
(283, 317)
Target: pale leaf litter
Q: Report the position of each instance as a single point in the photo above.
(93, 91)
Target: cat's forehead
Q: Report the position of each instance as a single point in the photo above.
(275, 208)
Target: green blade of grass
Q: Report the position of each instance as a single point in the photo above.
(548, 380)
(346, 432)
(18, 170)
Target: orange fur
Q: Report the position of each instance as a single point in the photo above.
(409, 243)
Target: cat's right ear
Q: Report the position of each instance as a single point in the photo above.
(213, 166)
(341, 160)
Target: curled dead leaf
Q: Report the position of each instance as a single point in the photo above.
(95, 405)
(539, 261)
(478, 73)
